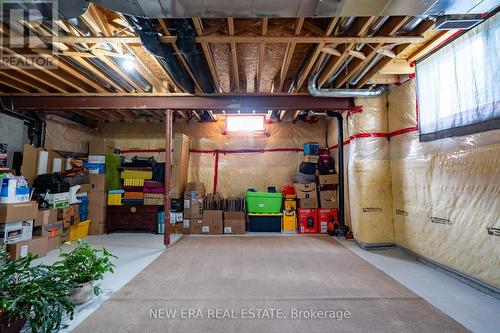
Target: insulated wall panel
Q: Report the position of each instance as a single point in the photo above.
(446, 194)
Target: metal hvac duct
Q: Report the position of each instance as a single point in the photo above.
(341, 93)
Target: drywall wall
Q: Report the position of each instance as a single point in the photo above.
(63, 135)
(237, 170)
(14, 134)
(446, 193)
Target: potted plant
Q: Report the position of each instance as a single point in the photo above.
(37, 294)
(85, 266)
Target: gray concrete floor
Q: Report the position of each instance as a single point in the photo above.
(474, 310)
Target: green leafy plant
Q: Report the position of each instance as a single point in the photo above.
(38, 293)
(86, 264)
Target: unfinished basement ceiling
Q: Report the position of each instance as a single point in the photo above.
(105, 52)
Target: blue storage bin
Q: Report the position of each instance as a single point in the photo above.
(311, 148)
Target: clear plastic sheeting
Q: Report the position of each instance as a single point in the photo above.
(237, 170)
(465, 73)
(446, 194)
(64, 136)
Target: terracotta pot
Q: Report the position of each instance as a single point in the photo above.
(14, 325)
(82, 294)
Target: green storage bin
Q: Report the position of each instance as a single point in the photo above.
(263, 202)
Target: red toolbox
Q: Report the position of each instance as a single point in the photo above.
(326, 219)
(308, 221)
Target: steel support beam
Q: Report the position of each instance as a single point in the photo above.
(177, 103)
(168, 174)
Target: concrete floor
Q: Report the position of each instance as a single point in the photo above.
(473, 309)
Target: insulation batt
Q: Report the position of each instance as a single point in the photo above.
(446, 193)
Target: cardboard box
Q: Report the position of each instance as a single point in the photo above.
(18, 211)
(308, 221)
(97, 213)
(84, 188)
(194, 191)
(16, 231)
(328, 179)
(305, 191)
(65, 238)
(98, 182)
(289, 224)
(193, 209)
(234, 222)
(46, 216)
(290, 204)
(212, 222)
(97, 227)
(192, 226)
(180, 165)
(68, 216)
(97, 197)
(325, 217)
(53, 242)
(35, 246)
(328, 199)
(311, 159)
(309, 203)
(50, 230)
(57, 200)
(99, 146)
(29, 165)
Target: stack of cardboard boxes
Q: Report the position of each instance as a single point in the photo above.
(16, 229)
(328, 190)
(193, 208)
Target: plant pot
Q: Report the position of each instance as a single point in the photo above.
(14, 325)
(82, 293)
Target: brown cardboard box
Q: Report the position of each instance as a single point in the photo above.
(49, 230)
(69, 216)
(65, 237)
(18, 211)
(192, 226)
(99, 146)
(305, 191)
(97, 213)
(194, 191)
(212, 222)
(30, 160)
(180, 165)
(328, 179)
(311, 158)
(53, 242)
(98, 197)
(97, 182)
(308, 203)
(84, 188)
(46, 216)
(328, 199)
(97, 227)
(35, 246)
(193, 209)
(234, 222)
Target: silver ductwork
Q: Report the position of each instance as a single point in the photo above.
(340, 93)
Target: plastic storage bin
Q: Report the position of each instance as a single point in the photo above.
(114, 199)
(79, 231)
(265, 222)
(263, 202)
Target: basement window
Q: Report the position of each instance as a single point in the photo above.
(245, 123)
(458, 90)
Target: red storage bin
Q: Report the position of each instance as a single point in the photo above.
(308, 221)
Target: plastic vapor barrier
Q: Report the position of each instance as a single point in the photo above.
(445, 194)
(370, 189)
(68, 137)
(244, 160)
